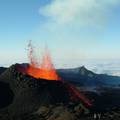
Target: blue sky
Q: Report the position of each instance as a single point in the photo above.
(72, 29)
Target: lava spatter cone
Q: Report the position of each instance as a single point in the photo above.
(47, 71)
(32, 85)
(29, 93)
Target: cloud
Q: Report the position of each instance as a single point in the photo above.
(71, 28)
(80, 12)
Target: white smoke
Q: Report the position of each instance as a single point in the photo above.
(81, 12)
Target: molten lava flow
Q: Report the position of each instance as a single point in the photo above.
(46, 69)
(75, 93)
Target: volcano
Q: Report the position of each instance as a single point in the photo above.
(23, 94)
(26, 94)
(29, 93)
(27, 87)
(47, 71)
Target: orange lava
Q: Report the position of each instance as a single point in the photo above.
(46, 69)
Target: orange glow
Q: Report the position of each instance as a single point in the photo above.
(46, 69)
(42, 73)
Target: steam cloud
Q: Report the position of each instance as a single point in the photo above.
(76, 22)
(82, 12)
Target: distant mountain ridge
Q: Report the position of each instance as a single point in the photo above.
(85, 77)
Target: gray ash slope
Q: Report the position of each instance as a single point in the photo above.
(28, 94)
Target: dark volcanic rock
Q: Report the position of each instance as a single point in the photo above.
(30, 93)
(23, 97)
(2, 69)
(23, 94)
(6, 95)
